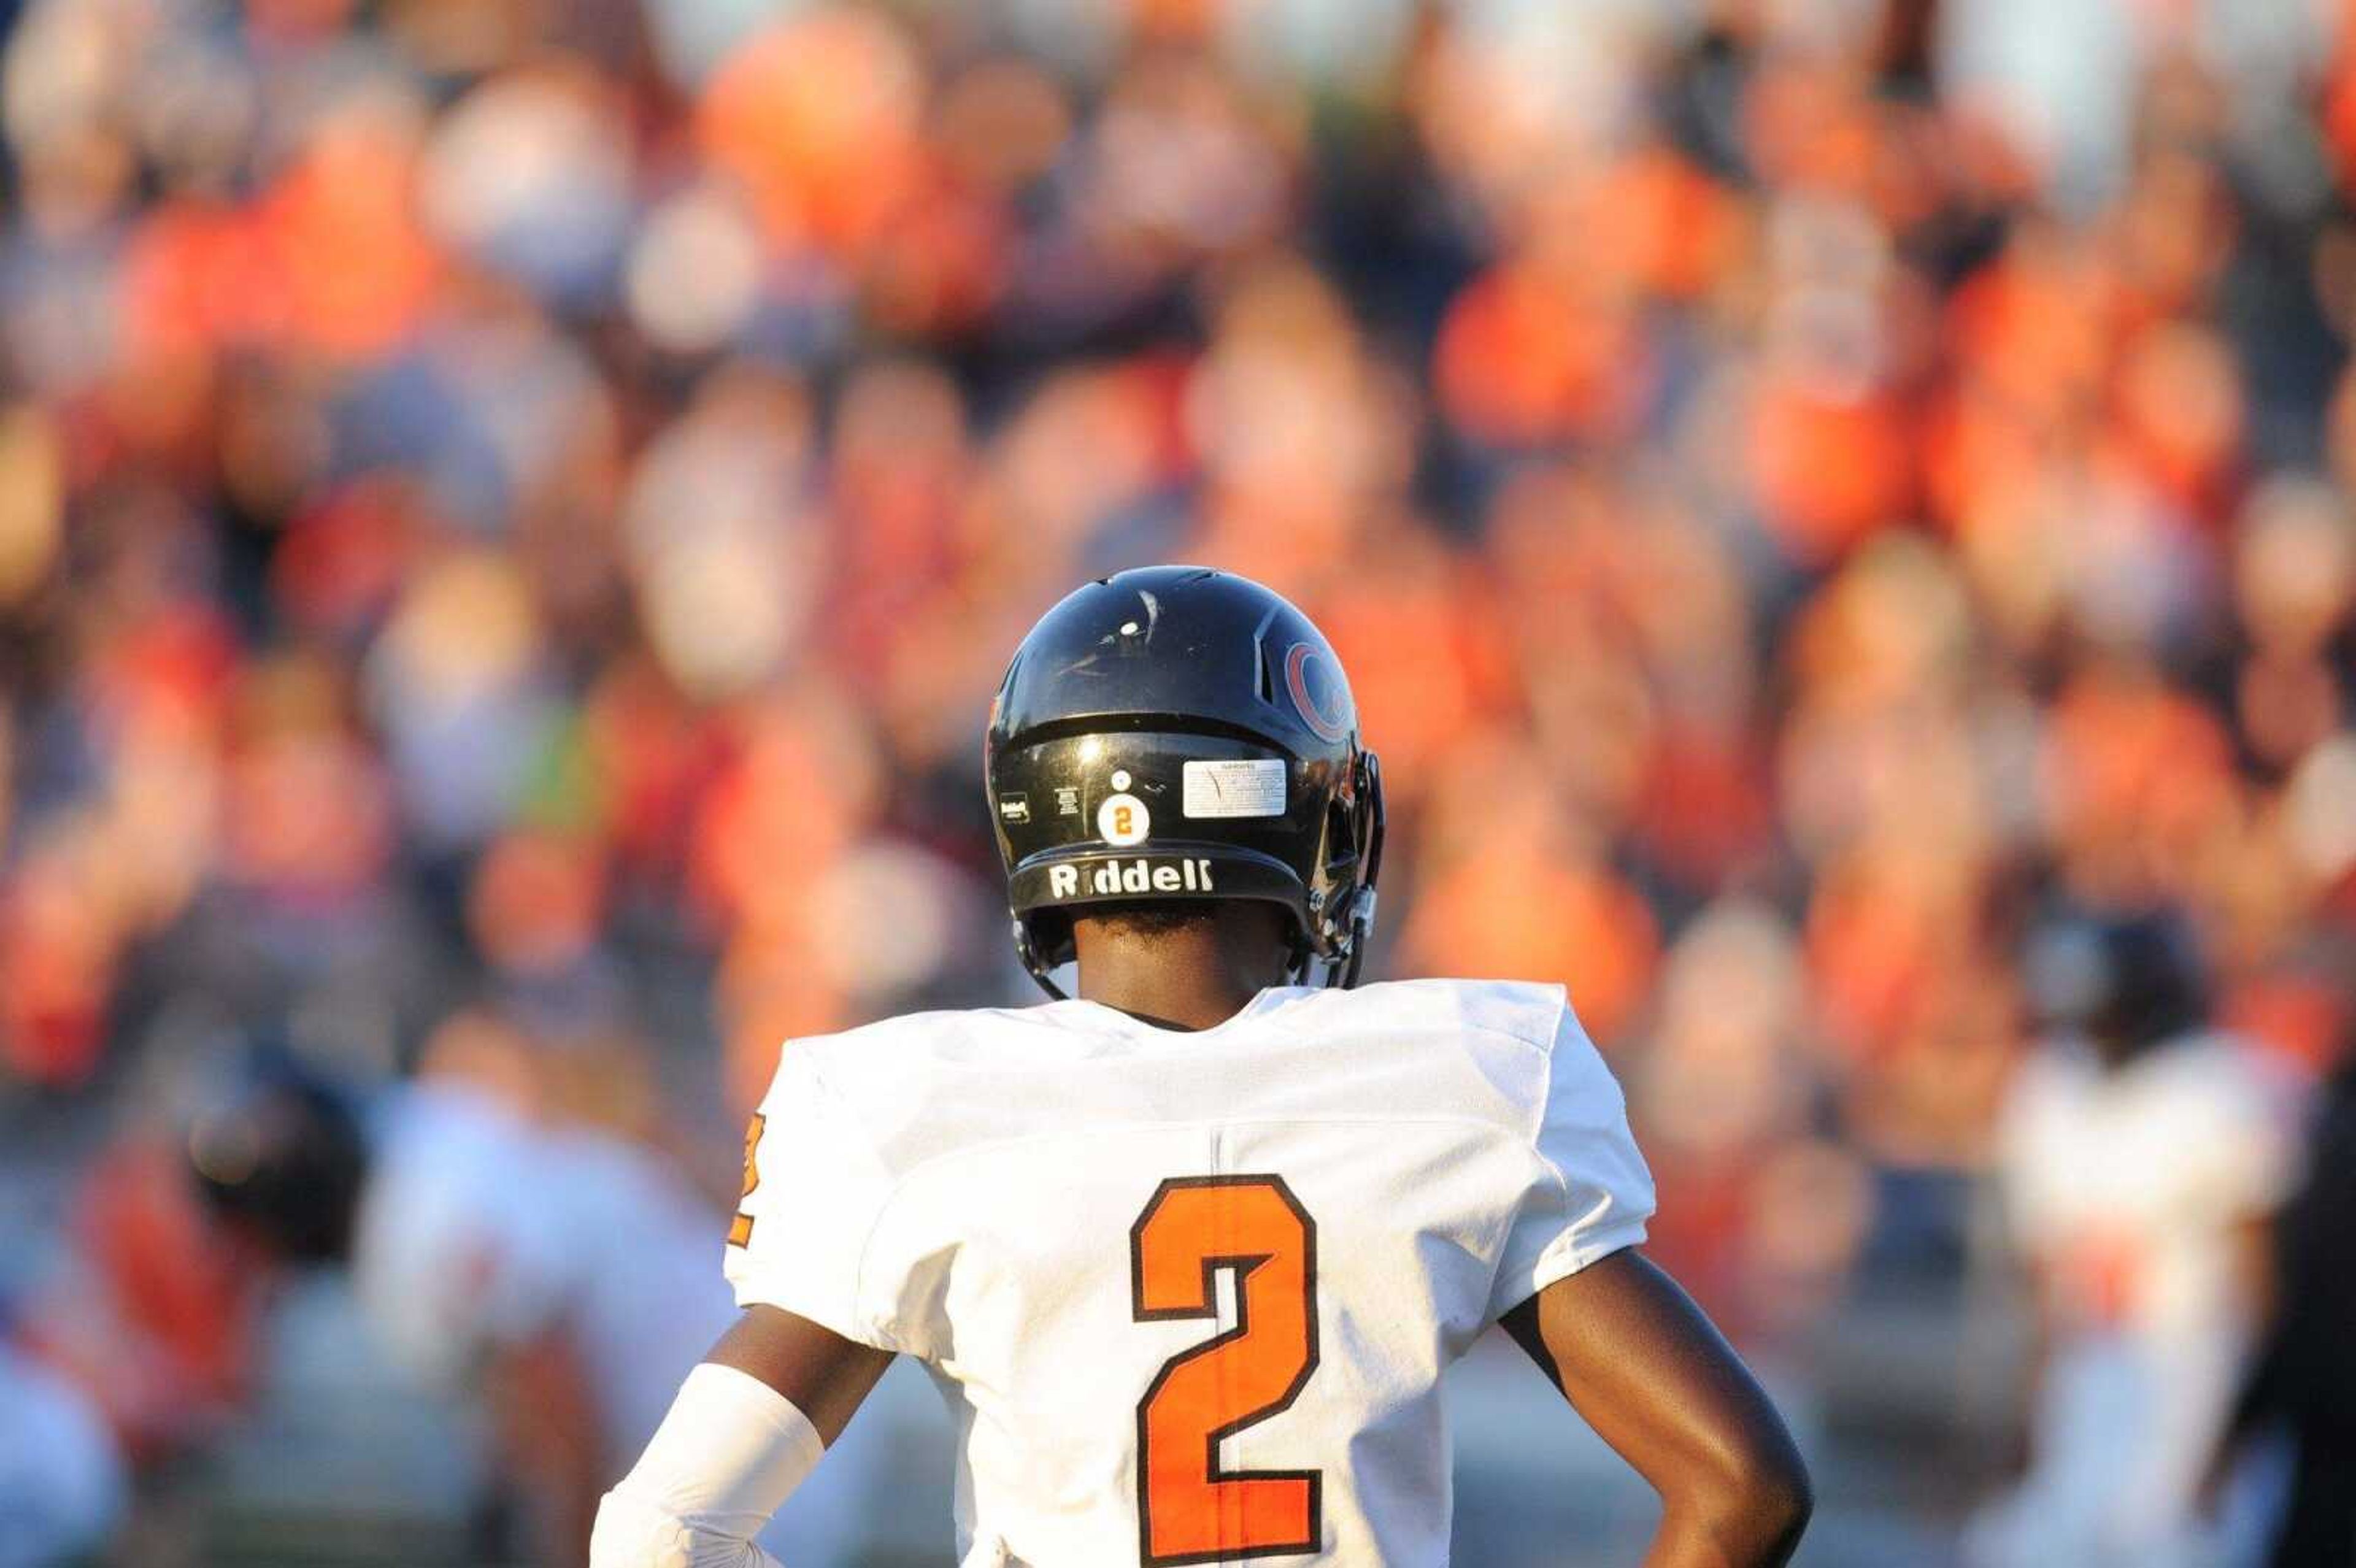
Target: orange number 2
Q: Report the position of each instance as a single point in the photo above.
(740, 1228)
(1188, 1509)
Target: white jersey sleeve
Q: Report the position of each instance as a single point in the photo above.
(1589, 1193)
(2240, 1142)
(814, 1192)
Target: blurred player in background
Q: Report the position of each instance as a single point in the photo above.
(2142, 1154)
(558, 1276)
(1189, 1253)
(2304, 1379)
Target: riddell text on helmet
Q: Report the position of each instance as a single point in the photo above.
(1139, 876)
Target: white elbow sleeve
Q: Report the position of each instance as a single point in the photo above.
(728, 1454)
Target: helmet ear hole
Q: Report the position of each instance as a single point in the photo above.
(1341, 834)
(1051, 934)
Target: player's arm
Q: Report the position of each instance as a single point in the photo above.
(754, 1417)
(1650, 1374)
(750, 1424)
(827, 1376)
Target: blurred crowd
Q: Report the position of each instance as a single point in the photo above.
(521, 505)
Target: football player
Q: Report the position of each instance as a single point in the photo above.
(2139, 1157)
(1189, 1251)
(554, 1276)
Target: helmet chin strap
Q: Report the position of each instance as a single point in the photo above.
(1362, 936)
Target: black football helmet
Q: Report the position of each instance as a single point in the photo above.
(2127, 979)
(1175, 734)
(280, 1150)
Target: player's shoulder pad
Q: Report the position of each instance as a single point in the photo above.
(1525, 1011)
(901, 1032)
(888, 1062)
(2231, 1075)
(943, 1029)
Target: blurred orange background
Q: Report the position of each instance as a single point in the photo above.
(515, 509)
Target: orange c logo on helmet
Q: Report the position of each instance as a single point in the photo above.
(1333, 727)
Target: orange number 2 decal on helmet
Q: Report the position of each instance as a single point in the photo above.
(740, 1228)
(1188, 1509)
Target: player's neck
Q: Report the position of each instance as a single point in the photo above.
(1193, 977)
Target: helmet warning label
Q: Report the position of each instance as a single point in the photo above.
(1239, 786)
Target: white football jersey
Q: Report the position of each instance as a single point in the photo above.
(1189, 1293)
(2131, 1187)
